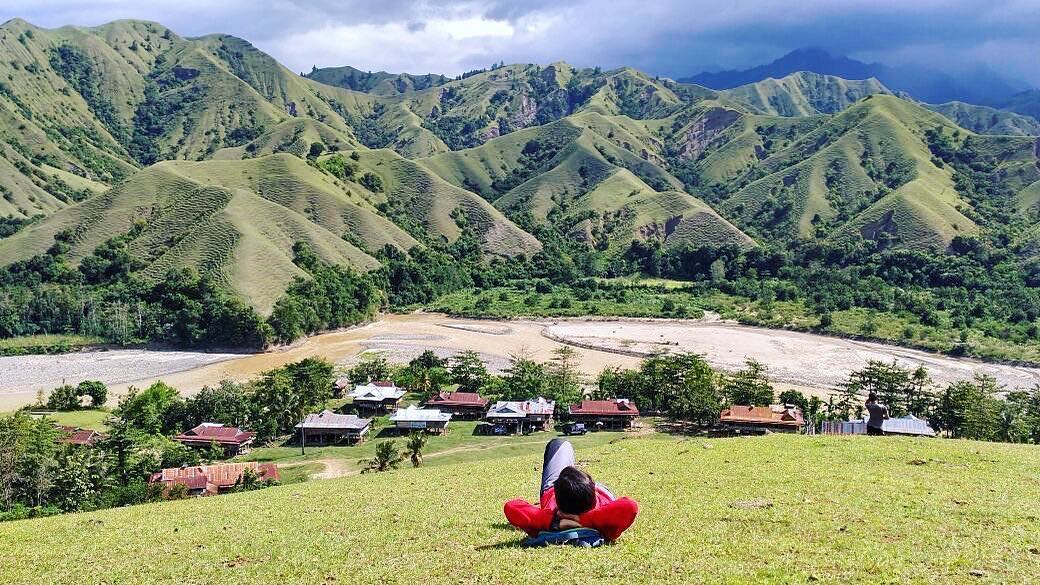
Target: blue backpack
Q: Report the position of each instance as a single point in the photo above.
(583, 537)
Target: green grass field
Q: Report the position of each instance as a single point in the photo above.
(459, 444)
(84, 419)
(829, 509)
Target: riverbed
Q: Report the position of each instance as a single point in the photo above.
(811, 363)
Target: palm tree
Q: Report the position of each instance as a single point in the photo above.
(387, 457)
(415, 445)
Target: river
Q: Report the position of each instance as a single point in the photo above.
(812, 363)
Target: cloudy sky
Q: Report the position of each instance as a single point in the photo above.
(666, 37)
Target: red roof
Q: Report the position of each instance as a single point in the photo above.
(457, 399)
(78, 436)
(212, 477)
(84, 437)
(616, 407)
(384, 383)
(212, 433)
(764, 415)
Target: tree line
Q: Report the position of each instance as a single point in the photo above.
(42, 474)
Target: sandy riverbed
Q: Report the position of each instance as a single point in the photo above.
(804, 361)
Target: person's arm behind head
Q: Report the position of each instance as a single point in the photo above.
(611, 519)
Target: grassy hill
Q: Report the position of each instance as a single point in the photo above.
(379, 82)
(819, 509)
(864, 173)
(585, 175)
(803, 94)
(987, 120)
(237, 220)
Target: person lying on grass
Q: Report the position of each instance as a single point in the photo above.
(569, 499)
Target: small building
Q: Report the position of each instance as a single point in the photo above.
(209, 480)
(522, 416)
(414, 418)
(340, 386)
(775, 418)
(908, 425)
(461, 405)
(234, 440)
(616, 414)
(80, 437)
(327, 427)
(376, 397)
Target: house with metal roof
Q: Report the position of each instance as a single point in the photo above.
(414, 418)
(209, 480)
(377, 397)
(521, 416)
(234, 440)
(462, 405)
(776, 418)
(327, 427)
(618, 413)
(908, 425)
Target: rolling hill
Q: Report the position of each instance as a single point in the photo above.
(978, 85)
(582, 174)
(803, 94)
(379, 83)
(947, 510)
(987, 120)
(104, 127)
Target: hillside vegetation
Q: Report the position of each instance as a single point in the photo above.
(883, 510)
(127, 140)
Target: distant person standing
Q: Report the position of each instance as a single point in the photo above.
(878, 415)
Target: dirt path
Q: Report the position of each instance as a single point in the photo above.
(333, 468)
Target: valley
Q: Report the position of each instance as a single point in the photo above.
(813, 364)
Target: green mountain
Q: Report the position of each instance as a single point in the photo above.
(987, 120)
(803, 94)
(105, 131)
(379, 83)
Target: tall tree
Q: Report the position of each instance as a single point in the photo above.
(749, 386)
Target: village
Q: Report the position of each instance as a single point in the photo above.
(387, 408)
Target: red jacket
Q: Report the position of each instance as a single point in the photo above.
(610, 517)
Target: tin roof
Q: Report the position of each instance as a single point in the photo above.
(376, 392)
(216, 433)
(905, 425)
(212, 477)
(416, 414)
(615, 407)
(327, 419)
(520, 409)
(458, 399)
(908, 425)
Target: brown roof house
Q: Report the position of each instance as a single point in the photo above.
(80, 437)
(327, 427)
(234, 440)
(462, 405)
(605, 414)
(208, 480)
(775, 418)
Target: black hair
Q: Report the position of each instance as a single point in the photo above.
(872, 397)
(575, 491)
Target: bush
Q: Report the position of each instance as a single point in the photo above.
(64, 398)
(372, 182)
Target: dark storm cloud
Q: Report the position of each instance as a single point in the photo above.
(672, 37)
